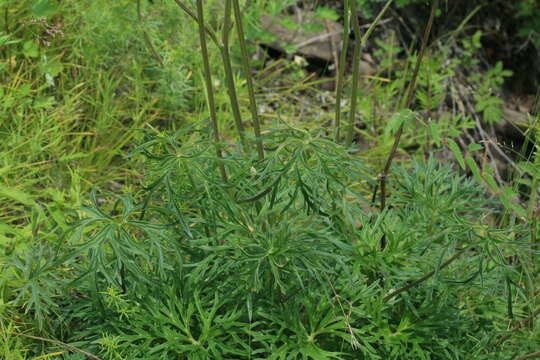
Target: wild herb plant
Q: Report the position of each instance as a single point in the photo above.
(283, 259)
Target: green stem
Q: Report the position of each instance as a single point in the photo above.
(341, 66)
(408, 102)
(249, 80)
(191, 14)
(209, 88)
(229, 78)
(356, 73)
(223, 47)
(6, 26)
(358, 46)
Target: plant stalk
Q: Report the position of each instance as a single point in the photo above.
(356, 73)
(341, 66)
(358, 46)
(60, 343)
(209, 87)
(408, 102)
(249, 80)
(423, 278)
(229, 77)
(191, 14)
(535, 354)
(518, 326)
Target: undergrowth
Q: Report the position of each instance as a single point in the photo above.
(283, 262)
(210, 236)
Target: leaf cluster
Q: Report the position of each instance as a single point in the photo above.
(280, 262)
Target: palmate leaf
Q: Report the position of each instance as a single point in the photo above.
(305, 328)
(38, 288)
(185, 324)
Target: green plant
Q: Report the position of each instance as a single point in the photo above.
(527, 13)
(278, 259)
(490, 106)
(281, 262)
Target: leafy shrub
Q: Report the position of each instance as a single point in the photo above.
(281, 262)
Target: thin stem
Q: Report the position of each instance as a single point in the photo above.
(341, 66)
(423, 278)
(408, 103)
(529, 356)
(209, 88)
(356, 73)
(376, 21)
(223, 47)
(190, 12)
(146, 37)
(229, 78)
(6, 26)
(521, 324)
(6, 20)
(359, 45)
(249, 80)
(56, 342)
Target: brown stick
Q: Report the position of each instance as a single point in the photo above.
(56, 342)
(529, 356)
(521, 324)
(423, 278)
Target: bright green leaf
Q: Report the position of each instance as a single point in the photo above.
(288, 24)
(30, 49)
(472, 147)
(457, 153)
(52, 68)
(326, 13)
(72, 157)
(44, 8)
(16, 195)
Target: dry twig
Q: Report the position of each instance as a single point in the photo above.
(56, 342)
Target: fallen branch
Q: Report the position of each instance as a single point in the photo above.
(56, 342)
(423, 278)
(517, 327)
(529, 356)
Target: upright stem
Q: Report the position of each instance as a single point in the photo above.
(8, 31)
(6, 20)
(190, 13)
(358, 46)
(341, 66)
(356, 69)
(209, 88)
(229, 78)
(249, 80)
(408, 102)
